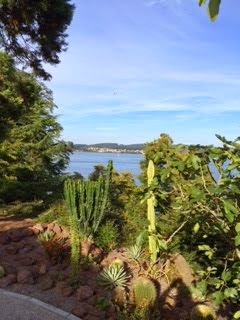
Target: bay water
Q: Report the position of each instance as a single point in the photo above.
(84, 162)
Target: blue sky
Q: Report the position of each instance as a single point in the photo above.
(138, 68)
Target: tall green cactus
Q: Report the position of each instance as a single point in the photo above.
(87, 201)
(151, 215)
(144, 293)
(70, 198)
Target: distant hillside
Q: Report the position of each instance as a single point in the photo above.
(107, 147)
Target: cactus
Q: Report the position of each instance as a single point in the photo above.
(86, 202)
(202, 312)
(118, 263)
(2, 272)
(144, 293)
(70, 195)
(151, 215)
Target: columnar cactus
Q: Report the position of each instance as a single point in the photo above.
(86, 201)
(151, 215)
(144, 293)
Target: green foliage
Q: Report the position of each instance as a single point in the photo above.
(31, 154)
(203, 312)
(145, 293)
(2, 272)
(33, 32)
(107, 236)
(212, 8)
(56, 211)
(113, 276)
(203, 208)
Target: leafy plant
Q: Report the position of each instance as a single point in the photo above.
(107, 236)
(113, 276)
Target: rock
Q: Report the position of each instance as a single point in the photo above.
(50, 227)
(43, 268)
(27, 232)
(81, 310)
(12, 249)
(15, 235)
(5, 282)
(182, 269)
(27, 248)
(47, 284)
(97, 254)
(111, 313)
(9, 268)
(57, 229)
(84, 292)
(27, 261)
(37, 228)
(60, 285)
(25, 276)
(67, 291)
(4, 239)
(64, 233)
(86, 248)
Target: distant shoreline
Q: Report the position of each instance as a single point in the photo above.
(110, 151)
(110, 148)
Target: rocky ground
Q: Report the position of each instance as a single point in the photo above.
(41, 269)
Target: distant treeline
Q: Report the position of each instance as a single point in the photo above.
(117, 146)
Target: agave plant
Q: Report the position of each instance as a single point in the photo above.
(113, 276)
(135, 252)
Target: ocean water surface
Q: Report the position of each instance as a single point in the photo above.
(84, 162)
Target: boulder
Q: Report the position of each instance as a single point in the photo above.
(25, 276)
(47, 284)
(15, 235)
(81, 310)
(84, 292)
(4, 239)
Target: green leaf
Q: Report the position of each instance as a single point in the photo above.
(201, 2)
(237, 227)
(230, 292)
(236, 315)
(196, 227)
(237, 240)
(226, 275)
(230, 210)
(218, 297)
(213, 9)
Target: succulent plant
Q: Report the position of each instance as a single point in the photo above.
(2, 272)
(135, 252)
(144, 293)
(113, 276)
(117, 262)
(202, 312)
